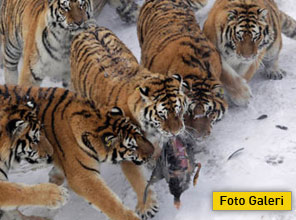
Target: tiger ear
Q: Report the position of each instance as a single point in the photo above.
(116, 111)
(144, 92)
(180, 79)
(185, 85)
(219, 92)
(232, 15)
(108, 139)
(50, 1)
(177, 77)
(15, 127)
(262, 13)
(31, 104)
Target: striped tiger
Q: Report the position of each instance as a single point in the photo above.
(172, 42)
(20, 139)
(41, 32)
(128, 10)
(82, 137)
(104, 70)
(247, 34)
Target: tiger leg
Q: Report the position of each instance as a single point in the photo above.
(27, 75)
(271, 68)
(237, 88)
(128, 10)
(135, 176)
(47, 195)
(56, 176)
(11, 55)
(86, 182)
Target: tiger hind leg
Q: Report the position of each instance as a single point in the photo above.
(134, 175)
(47, 195)
(128, 10)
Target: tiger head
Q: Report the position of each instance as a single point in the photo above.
(246, 34)
(206, 105)
(111, 137)
(159, 104)
(20, 134)
(72, 15)
(127, 140)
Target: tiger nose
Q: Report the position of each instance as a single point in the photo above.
(78, 23)
(175, 125)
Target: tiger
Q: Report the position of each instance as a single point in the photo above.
(105, 71)
(21, 139)
(89, 136)
(247, 34)
(41, 32)
(171, 42)
(128, 10)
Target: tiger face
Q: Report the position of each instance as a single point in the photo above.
(163, 105)
(20, 134)
(71, 15)
(206, 106)
(246, 33)
(124, 140)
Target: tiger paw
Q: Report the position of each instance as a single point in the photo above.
(52, 196)
(131, 216)
(56, 176)
(240, 92)
(275, 74)
(149, 209)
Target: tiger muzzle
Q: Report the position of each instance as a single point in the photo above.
(174, 125)
(247, 48)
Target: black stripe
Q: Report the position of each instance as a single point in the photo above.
(87, 143)
(63, 97)
(50, 99)
(47, 45)
(4, 174)
(88, 168)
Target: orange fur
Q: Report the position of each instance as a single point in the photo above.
(19, 140)
(105, 71)
(41, 32)
(172, 42)
(82, 137)
(247, 34)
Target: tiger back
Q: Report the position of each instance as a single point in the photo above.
(20, 139)
(90, 137)
(40, 31)
(172, 42)
(247, 34)
(104, 70)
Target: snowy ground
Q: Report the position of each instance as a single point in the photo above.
(265, 164)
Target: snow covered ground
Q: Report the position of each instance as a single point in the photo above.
(267, 162)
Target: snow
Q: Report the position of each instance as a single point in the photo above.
(265, 164)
